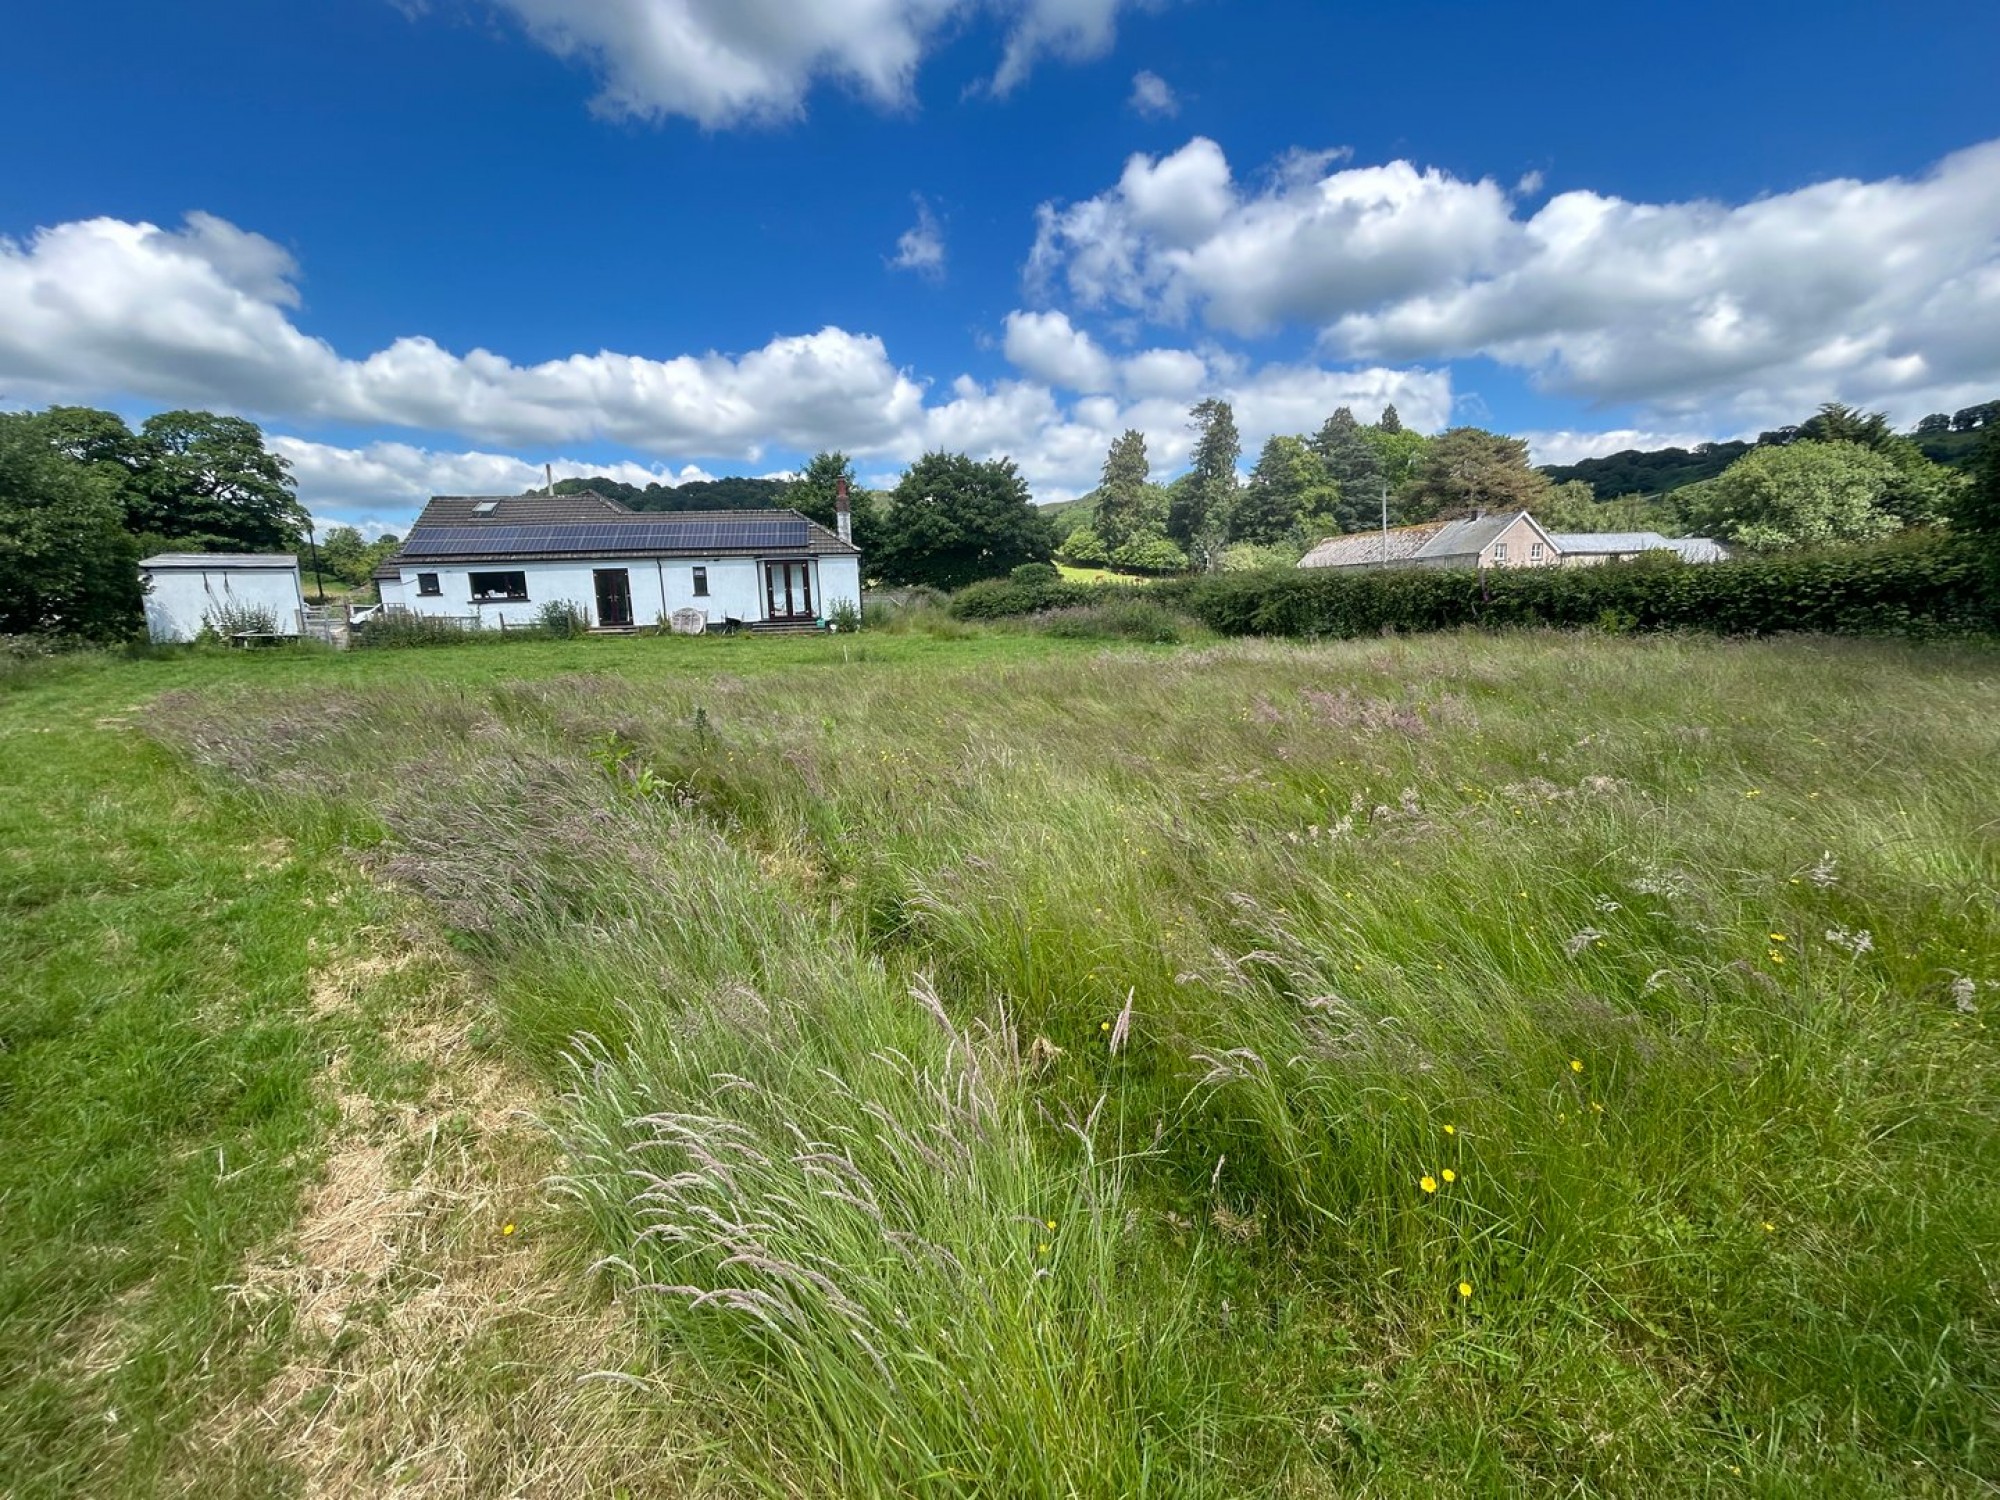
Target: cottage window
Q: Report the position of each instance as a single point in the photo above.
(1534, 552)
(487, 587)
(427, 583)
(701, 583)
(1499, 553)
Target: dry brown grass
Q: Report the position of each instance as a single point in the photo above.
(431, 1351)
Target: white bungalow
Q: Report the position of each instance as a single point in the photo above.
(227, 592)
(499, 560)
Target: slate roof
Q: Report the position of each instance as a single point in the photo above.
(1362, 548)
(1694, 549)
(1468, 537)
(1698, 549)
(260, 560)
(1434, 541)
(1594, 542)
(491, 528)
(520, 510)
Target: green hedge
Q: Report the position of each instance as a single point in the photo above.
(998, 598)
(1922, 584)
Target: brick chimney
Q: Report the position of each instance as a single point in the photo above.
(843, 511)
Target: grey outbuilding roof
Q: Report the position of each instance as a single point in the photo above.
(1592, 543)
(1618, 543)
(215, 561)
(1359, 549)
(1433, 541)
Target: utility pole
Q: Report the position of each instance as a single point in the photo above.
(312, 540)
(1385, 520)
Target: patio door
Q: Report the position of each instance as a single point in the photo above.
(788, 591)
(614, 598)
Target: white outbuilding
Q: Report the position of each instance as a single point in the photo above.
(498, 561)
(231, 593)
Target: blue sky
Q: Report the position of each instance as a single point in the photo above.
(434, 245)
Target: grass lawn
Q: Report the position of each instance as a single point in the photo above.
(1002, 1065)
(1073, 574)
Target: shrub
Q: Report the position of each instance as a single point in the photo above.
(997, 598)
(1084, 548)
(1921, 584)
(407, 629)
(1254, 557)
(1150, 554)
(1036, 574)
(562, 619)
(225, 620)
(1116, 619)
(844, 618)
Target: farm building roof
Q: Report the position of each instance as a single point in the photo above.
(216, 560)
(1359, 548)
(1610, 541)
(1617, 543)
(1431, 541)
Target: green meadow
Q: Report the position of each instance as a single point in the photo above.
(987, 1063)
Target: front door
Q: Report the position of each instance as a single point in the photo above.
(788, 591)
(614, 597)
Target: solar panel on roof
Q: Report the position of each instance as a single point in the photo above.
(663, 535)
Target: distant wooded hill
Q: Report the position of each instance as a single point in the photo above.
(1952, 441)
(1658, 472)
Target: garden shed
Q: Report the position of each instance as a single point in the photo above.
(232, 593)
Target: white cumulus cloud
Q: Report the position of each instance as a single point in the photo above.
(1884, 292)
(103, 305)
(1153, 98)
(920, 248)
(726, 62)
(109, 311)
(1178, 234)
(1047, 347)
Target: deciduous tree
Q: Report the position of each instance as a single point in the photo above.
(953, 520)
(815, 494)
(210, 482)
(1796, 495)
(1977, 510)
(67, 565)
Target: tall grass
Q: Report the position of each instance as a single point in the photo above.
(1521, 1063)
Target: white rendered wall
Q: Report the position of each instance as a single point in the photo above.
(840, 583)
(659, 587)
(180, 600)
